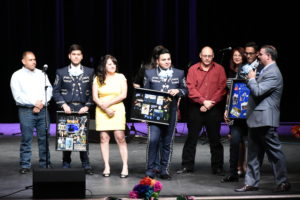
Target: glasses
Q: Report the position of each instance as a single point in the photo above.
(249, 53)
(207, 56)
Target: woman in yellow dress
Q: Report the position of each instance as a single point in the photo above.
(109, 90)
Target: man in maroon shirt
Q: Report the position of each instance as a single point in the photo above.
(206, 82)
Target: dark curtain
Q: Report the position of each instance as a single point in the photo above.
(129, 29)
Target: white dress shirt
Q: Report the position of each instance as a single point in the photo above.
(75, 70)
(29, 86)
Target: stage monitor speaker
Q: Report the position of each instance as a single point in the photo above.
(58, 183)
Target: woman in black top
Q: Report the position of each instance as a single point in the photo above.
(238, 127)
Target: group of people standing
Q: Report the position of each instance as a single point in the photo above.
(76, 88)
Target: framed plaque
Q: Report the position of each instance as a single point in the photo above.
(238, 99)
(72, 131)
(151, 106)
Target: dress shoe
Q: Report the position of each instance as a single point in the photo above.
(218, 172)
(66, 165)
(246, 188)
(24, 170)
(283, 187)
(165, 176)
(89, 171)
(123, 175)
(230, 178)
(150, 173)
(184, 171)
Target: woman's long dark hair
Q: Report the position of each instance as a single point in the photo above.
(101, 69)
(232, 65)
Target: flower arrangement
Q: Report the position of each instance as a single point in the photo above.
(296, 131)
(147, 189)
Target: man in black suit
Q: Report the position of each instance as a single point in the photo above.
(72, 92)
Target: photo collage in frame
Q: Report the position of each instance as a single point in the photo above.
(151, 106)
(239, 96)
(72, 132)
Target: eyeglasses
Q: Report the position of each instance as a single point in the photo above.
(249, 53)
(207, 56)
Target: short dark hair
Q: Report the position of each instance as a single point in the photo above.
(253, 45)
(271, 50)
(75, 47)
(25, 53)
(162, 51)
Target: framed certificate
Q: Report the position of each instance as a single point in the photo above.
(72, 131)
(238, 99)
(151, 106)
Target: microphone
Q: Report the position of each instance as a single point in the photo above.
(45, 67)
(225, 49)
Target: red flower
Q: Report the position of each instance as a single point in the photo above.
(296, 131)
(146, 181)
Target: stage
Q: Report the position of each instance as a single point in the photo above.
(200, 184)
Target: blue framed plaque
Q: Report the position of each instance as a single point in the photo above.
(72, 131)
(151, 106)
(238, 99)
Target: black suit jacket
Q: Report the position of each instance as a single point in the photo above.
(63, 88)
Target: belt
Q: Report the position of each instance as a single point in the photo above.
(23, 106)
(76, 103)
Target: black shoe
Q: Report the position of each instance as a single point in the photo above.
(246, 188)
(24, 170)
(150, 173)
(230, 178)
(89, 171)
(218, 172)
(184, 171)
(283, 187)
(165, 176)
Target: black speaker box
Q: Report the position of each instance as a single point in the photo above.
(58, 183)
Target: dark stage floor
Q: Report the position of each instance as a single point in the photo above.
(201, 184)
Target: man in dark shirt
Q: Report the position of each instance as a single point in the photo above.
(72, 92)
(206, 82)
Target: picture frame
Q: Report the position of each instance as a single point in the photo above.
(151, 106)
(72, 131)
(237, 104)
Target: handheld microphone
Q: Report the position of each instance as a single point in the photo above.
(45, 67)
(225, 49)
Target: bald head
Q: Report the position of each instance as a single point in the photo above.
(206, 55)
(207, 50)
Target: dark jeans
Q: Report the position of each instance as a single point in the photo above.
(83, 154)
(212, 121)
(29, 121)
(238, 130)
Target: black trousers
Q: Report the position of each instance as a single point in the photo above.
(212, 121)
(84, 157)
(238, 131)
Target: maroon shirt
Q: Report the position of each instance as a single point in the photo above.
(206, 85)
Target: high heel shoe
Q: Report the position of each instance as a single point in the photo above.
(106, 174)
(123, 175)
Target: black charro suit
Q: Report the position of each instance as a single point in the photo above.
(76, 92)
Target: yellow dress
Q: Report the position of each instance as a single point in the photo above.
(106, 92)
